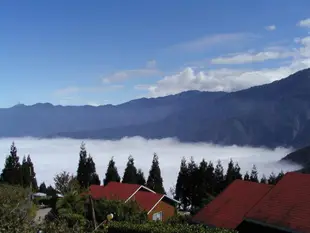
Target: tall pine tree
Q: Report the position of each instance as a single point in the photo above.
(82, 173)
(86, 172)
(254, 175)
(140, 177)
(42, 188)
(219, 178)
(130, 174)
(272, 179)
(155, 181)
(181, 186)
(112, 173)
(11, 172)
(246, 176)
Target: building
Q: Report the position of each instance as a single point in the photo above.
(158, 206)
(252, 207)
(229, 208)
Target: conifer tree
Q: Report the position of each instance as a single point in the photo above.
(210, 179)
(42, 188)
(32, 174)
(140, 177)
(82, 173)
(279, 176)
(272, 179)
(154, 180)
(219, 177)
(181, 193)
(254, 174)
(11, 172)
(130, 174)
(237, 173)
(192, 183)
(93, 177)
(246, 176)
(86, 173)
(112, 173)
(230, 173)
(263, 180)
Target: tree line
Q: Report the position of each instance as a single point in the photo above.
(196, 184)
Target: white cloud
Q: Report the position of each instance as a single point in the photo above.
(213, 40)
(304, 23)
(234, 79)
(51, 156)
(251, 57)
(271, 27)
(149, 70)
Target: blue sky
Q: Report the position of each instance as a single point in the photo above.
(98, 52)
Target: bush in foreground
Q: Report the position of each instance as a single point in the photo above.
(158, 227)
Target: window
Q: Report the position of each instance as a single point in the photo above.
(158, 216)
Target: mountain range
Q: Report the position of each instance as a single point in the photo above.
(270, 115)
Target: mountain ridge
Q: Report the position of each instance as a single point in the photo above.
(269, 115)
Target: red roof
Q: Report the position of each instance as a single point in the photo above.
(147, 200)
(114, 191)
(228, 209)
(287, 205)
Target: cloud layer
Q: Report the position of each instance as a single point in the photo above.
(51, 156)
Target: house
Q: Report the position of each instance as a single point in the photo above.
(158, 206)
(286, 208)
(228, 209)
(253, 207)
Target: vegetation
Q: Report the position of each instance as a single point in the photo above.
(156, 227)
(155, 181)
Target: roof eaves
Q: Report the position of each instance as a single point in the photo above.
(288, 230)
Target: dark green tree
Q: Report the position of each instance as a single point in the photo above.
(130, 174)
(11, 172)
(218, 178)
(50, 191)
(42, 188)
(82, 173)
(230, 173)
(246, 176)
(181, 193)
(279, 176)
(154, 180)
(263, 180)
(93, 177)
(86, 173)
(209, 178)
(112, 173)
(32, 174)
(237, 173)
(254, 174)
(272, 179)
(140, 177)
(193, 183)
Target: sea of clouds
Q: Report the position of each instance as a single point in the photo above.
(51, 156)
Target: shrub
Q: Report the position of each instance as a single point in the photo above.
(157, 227)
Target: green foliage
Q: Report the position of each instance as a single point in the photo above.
(62, 182)
(112, 173)
(254, 175)
(130, 173)
(129, 211)
(86, 172)
(181, 186)
(155, 181)
(140, 177)
(11, 172)
(157, 227)
(218, 178)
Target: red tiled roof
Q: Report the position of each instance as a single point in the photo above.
(114, 191)
(287, 205)
(228, 209)
(146, 200)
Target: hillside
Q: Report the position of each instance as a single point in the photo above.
(271, 115)
(302, 157)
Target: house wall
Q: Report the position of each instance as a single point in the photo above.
(167, 209)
